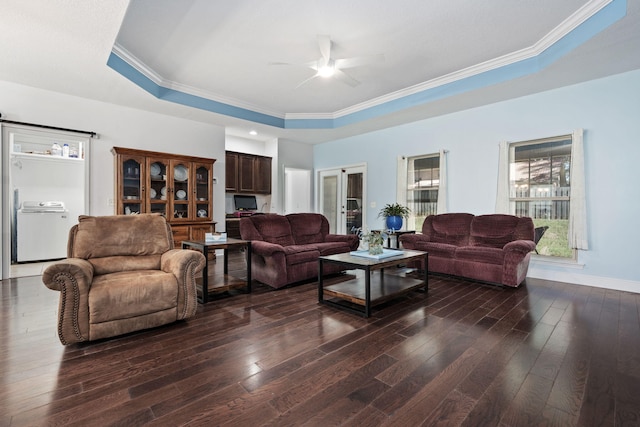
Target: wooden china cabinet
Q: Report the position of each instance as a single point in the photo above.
(176, 186)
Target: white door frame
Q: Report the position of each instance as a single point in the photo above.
(341, 193)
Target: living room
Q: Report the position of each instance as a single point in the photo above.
(606, 108)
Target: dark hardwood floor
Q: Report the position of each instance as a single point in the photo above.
(465, 354)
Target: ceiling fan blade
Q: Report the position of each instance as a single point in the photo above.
(311, 64)
(325, 48)
(359, 61)
(305, 81)
(345, 78)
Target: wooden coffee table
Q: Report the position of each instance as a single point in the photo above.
(370, 290)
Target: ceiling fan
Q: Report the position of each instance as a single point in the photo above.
(326, 66)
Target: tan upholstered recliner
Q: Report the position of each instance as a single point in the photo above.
(122, 274)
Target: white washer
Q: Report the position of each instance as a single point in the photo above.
(42, 231)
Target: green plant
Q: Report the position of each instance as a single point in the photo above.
(372, 237)
(394, 209)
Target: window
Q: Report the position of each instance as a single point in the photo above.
(540, 188)
(423, 181)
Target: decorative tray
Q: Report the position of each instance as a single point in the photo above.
(386, 253)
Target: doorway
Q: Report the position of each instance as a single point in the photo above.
(45, 189)
(297, 190)
(341, 198)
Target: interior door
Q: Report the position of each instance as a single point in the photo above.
(341, 198)
(297, 190)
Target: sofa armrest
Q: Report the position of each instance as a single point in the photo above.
(409, 241)
(185, 265)
(351, 239)
(72, 278)
(265, 249)
(520, 246)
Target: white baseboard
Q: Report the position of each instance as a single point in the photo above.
(585, 280)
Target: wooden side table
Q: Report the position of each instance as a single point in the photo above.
(396, 233)
(228, 282)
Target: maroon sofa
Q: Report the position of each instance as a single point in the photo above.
(285, 248)
(489, 248)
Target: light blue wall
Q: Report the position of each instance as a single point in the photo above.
(607, 109)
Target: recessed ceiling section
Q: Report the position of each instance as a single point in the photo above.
(219, 55)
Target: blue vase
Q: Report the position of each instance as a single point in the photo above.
(394, 222)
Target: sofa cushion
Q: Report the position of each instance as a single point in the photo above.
(126, 294)
(128, 235)
(308, 227)
(442, 250)
(113, 264)
(296, 254)
(481, 254)
(493, 231)
(452, 228)
(274, 229)
(330, 248)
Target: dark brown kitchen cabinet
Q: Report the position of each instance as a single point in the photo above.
(262, 175)
(247, 173)
(231, 172)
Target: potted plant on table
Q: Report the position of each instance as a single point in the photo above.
(373, 239)
(394, 213)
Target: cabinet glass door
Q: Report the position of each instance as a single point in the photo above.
(203, 191)
(181, 194)
(158, 189)
(132, 186)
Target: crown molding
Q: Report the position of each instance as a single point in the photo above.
(551, 38)
(157, 79)
(462, 78)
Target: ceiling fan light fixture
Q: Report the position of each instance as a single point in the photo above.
(327, 70)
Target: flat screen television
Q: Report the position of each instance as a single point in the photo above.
(245, 203)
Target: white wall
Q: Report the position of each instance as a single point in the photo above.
(607, 109)
(116, 126)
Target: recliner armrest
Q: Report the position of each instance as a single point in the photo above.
(184, 264)
(265, 249)
(520, 246)
(409, 241)
(62, 273)
(351, 239)
(73, 278)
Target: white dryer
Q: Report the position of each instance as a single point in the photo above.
(42, 231)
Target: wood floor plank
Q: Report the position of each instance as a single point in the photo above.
(397, 396)
(570, 383)
(527, 408)
(627, 393)
(495, 400)
(464, 354)
(315, 408)
(421, 404)
(451, 411)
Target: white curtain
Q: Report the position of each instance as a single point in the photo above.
(442, 187)
(502, 196)
(401, 181)
(577, 204)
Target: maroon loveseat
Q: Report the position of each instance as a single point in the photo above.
(489, 248)
(285, 248)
